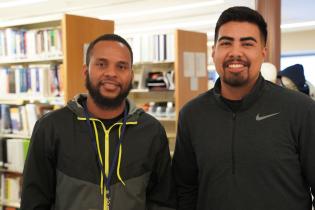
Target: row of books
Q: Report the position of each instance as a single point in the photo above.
(10, 193)
(12, 158)
(13, 154)
(43, 80)
(20, 119)
(148, 48)
(28, 44)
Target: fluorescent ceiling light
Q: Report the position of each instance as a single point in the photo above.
(17, 3)
(298, 25)
(162, 10)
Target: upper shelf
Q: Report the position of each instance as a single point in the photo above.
(57, 59)
(19, 99)
(145, 95)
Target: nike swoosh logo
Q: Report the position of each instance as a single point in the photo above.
(259, 118)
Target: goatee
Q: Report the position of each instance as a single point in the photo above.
(103, 101)
(235, 79)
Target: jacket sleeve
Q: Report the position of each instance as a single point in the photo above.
(161, 190)
(307, 148)
(38, 189)
(185, 168)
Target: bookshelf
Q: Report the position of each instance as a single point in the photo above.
(35, 49)
(148, 58)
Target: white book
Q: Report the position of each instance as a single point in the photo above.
(170, 47)
(46, 52)
(2, 44)
(32, 117)
(10, 43)
(4, 78)
(25, 125)
(30, 44)
(16, 154)
(17, 79)
(13, 189)
(136, 43)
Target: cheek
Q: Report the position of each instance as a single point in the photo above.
(219, 56)
(218, 60)
(255, 67)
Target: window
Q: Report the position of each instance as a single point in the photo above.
(307, 60)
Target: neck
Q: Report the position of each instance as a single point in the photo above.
(103, 112)
(236, 93)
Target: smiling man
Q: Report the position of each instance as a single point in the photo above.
(100, 152)
(238, 55)
(246, 144)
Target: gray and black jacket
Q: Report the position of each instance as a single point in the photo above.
(61, 170)
(260, 157)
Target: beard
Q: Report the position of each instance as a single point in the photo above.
(236, 79)
(103, 101)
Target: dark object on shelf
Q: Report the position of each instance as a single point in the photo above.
(156, 81)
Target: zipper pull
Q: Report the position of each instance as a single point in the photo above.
(234, 116)
(108, 199)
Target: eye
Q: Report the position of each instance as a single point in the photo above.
(248, 44)
(122, 66)
(100, 64)
(225, 43)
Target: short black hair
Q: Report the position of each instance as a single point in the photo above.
(242, 14)
(107, 37)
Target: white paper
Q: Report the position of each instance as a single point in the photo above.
(193, 83)
(189, 64)
(200, 64)
(85, 47)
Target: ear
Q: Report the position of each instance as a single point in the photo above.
(264, 53)
(85, 70)
(132, 74)
(213, 51)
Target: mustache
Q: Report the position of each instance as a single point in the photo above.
(235, 59)
(109, 80)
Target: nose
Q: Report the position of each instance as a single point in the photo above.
(110, 71)
(236, 51)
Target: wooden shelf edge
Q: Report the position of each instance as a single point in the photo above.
(15, 204)
(8, 61)
(14, 136)
(19, 99)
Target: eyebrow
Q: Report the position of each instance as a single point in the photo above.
(225, 38)
(105, 60)
(249, 38)
(124, 62)
(101, 59)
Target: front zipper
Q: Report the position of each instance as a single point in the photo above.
(233, 143)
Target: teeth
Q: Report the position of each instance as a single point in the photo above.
(236, 66)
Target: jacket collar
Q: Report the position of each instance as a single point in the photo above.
(248, 100)
(75, 105)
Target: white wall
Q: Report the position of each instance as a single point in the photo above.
(298, 41)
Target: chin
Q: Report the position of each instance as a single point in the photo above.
(109, 97)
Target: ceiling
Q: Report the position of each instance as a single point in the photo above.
(145, 16)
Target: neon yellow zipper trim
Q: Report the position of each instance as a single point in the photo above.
(99, 155)
(106, 165)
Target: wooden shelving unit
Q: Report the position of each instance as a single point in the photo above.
(184, 41)
(76, 31)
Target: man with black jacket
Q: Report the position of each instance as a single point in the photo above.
(246, 144)
(99, 152)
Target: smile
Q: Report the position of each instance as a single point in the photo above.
(235, 66)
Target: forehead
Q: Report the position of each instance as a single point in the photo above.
(236, 30)
(111, 48)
